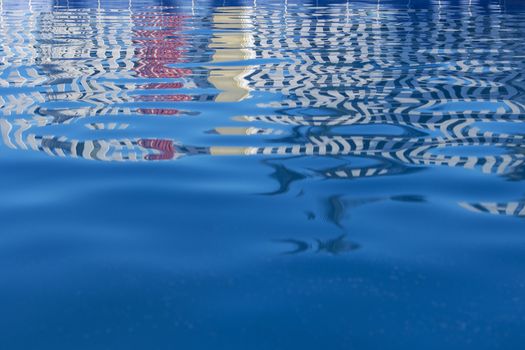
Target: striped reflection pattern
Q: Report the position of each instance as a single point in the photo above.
(331, 77)
(494, 208)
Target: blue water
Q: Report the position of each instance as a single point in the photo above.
(262, 174)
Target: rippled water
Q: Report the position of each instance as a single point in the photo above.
(262, 174)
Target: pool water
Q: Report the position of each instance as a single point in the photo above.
(262, 174)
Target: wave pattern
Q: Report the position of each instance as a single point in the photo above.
(318, 82)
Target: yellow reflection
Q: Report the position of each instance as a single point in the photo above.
(232, 42)
(231, 151)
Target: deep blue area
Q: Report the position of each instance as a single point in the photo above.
(262, 174)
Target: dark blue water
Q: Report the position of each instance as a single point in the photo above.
(262, 174)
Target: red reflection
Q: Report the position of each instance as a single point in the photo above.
(159, 44)
(165, 147)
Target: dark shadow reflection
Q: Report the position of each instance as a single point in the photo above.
(333, 246)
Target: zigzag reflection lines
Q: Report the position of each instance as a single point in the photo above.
(413, 152)
(397, 85)
(366, 71)
(332, 54)
(16, 136)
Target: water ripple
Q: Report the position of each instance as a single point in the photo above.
(352, 168)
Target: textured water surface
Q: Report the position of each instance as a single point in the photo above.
(262, 174)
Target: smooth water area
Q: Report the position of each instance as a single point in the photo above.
(262, 174)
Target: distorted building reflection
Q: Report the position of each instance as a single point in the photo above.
(316, 79)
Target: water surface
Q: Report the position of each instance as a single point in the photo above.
(262, 174)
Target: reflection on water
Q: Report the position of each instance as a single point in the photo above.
(333, 246)
(435, 82)
(382, 115)
(509, 208)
